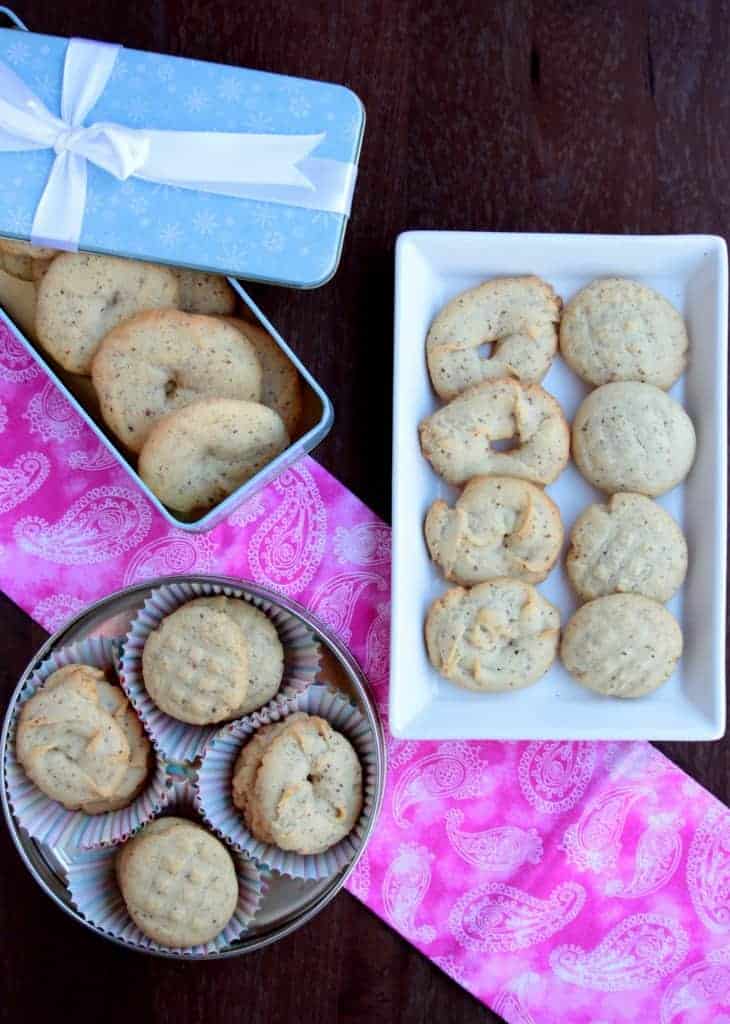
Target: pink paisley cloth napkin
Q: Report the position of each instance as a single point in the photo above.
(579, 883)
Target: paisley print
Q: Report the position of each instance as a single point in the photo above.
(377, 646)
(55, 610)
(360, 878)
(511, 1001)
(594, 842)
(637, 953)
(708, 869)
(51, 416)
(287, 548)
(335, 602)
(698, 989)
(22, 479)
(364, 544)
(95, 462)
(658, 853)
(500, 850)
(634, 761)
(247, 512)
(404, 887)
(498, 918)
(509, 1006)
(170, 555)
(17, 365)
(454, 770)
(103, 524)
(554, 776)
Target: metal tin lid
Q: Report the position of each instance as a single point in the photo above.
(282, 242)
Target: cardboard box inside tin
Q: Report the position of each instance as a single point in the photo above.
(201, 295)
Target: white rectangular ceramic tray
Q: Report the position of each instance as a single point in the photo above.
(691, 271)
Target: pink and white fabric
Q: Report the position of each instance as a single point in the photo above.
(560, 883)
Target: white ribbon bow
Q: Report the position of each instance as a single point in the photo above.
(274, 168)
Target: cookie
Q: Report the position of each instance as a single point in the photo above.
(24, 261)
(499, 526)
(162, 360)
(197, 456)
(18, 299)
(82, 297)
(518, 316)
(195, 665)
(500, 635)
(628, 546)
(281, 385)
(307, 793)
(622, 645)
(457, 439)
(265, 653)
(69, 744)
(249, 760)
(615, 330)
(633, 437)
(178, 882)
(204, 293)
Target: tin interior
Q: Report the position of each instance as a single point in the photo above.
(288, 902)
(317, 417)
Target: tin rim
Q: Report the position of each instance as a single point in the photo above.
(355, 678)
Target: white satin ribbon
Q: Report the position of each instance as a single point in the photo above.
(274, 168)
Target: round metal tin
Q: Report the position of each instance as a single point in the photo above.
(288, 903)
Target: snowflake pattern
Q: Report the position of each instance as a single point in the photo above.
(137, 109)
(264, 216)
(259, 121)
(43, 82)
(195, 101)
(18, 53)
(230, 89)
(170, 235)
(205, 223)
(299, 106)
(274, 241)
(137, 218)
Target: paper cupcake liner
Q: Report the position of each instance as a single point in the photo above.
(45, 819)
(92, 882)
(177, 740)
(214, 794)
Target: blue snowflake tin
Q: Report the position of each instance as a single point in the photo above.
(181, 162)
(275, 159)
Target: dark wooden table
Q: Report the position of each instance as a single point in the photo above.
(506, 116)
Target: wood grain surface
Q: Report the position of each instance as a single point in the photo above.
(507, 116)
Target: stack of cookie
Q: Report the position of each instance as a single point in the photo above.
(22, 266)
(634, 442)
(212, 660)
(201, 399)
(495, 631)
